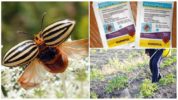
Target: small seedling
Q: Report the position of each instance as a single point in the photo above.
(168, 62)
(96, 74)
(168, 79)
(93, 95)
(117, 82)
(148, 88)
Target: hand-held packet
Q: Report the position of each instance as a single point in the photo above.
(154, 24)
(116, 24)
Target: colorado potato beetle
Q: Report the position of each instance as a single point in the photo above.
(48, 51)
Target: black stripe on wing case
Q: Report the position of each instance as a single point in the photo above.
(25, 55)
(17, 53)
(17, 48)
(58, 36)
(52, 28)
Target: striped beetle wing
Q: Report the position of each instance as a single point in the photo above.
(20, 54)
(57, 33)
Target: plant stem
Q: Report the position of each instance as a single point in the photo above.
(63, 77)
(81, 91)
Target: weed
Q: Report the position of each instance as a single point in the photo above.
(174, 58)
(127, 65)
(148, 88)
(93, 95)
(96, 74)
(117, 82)
(114, 61)
(168, 79)
(168, 62)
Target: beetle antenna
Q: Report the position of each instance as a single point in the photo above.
(21, 32)
(42, 20)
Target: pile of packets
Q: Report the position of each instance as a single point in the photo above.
(117, 28)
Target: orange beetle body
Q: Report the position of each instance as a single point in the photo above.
(48, 52)
(54, 59)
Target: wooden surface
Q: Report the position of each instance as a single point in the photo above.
(174, 27)
(95, 39)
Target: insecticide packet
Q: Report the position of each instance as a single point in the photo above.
(115, 23)
(154, 24)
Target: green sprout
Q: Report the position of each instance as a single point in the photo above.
(168, 79)
(117, 82)
(148, 88)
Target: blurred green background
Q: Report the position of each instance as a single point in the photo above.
(21, 20)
